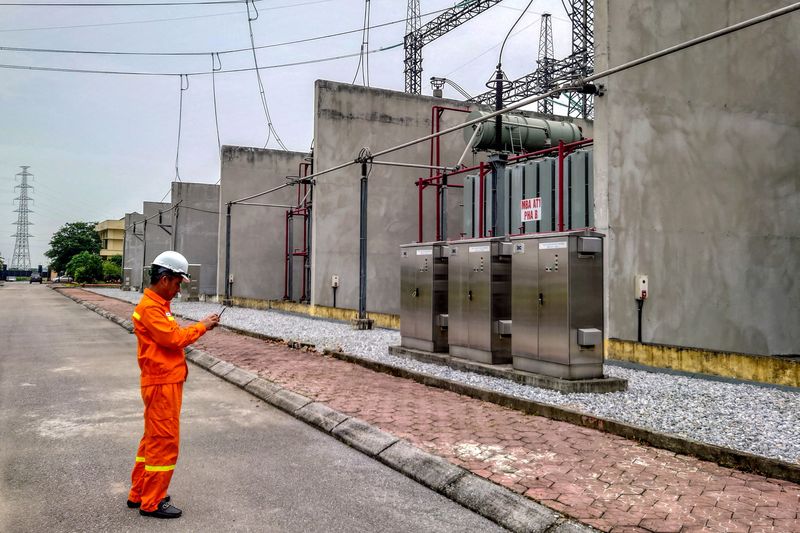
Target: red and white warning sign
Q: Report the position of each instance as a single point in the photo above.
(531, 209)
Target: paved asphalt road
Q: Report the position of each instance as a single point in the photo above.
(71, 417)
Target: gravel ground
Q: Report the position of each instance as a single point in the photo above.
(760, 420)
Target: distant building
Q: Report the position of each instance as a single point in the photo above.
(112, 235)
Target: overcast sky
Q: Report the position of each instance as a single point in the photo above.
(98, 144)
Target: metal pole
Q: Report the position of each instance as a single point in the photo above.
(309, 225)
(444, 208)
(289, 256)
(411, 165)
(362, 252)
(144, 253)
(498, 105)
(228, 255)
(475, 133)
(122, 278)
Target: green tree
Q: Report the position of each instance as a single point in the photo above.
(111, 270)
(116, 259)
(70, 240)
(85, 267)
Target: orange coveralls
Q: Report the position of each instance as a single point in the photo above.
(164, 369)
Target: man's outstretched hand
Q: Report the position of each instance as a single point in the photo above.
(211, 321)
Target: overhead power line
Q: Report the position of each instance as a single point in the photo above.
(218, 52)
(126, 4)
(121, 23)
(196, 73)
(550, 94)
(147, 21)
(270, 127)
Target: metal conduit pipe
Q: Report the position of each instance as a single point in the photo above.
(226, 281)
(362, 252)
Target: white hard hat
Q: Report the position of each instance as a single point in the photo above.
(174, 262)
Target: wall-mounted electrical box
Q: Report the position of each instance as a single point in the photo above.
(423, 296)
(334, 281)
(190, 290)
(126, 278)
(640, 287)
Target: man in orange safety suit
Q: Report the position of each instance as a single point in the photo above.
(163, 364)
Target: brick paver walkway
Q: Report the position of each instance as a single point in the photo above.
(602, 480)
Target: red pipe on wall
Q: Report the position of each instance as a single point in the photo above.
(419, 208)
(561, 153)
(481, 186)
(435, 159)
(302, 171)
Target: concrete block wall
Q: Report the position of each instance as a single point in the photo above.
(347, 118)
(157, 231)
(195, 228)
(257, 233)
(696, 172)
(133, 243)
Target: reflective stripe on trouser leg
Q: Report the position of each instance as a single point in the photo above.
(161, 440)
(137, 475)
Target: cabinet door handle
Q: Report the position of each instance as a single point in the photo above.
(541, 298)
(469, 295)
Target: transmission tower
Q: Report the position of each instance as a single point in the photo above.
(413, 60)
(418, 36)
(579, 64)
(21, 260)
(581, 15)
(545, 62)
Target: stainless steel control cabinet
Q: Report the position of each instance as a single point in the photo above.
(423, 296)
(479, 302)
(190, 290)
(126, 278)
(557, 304)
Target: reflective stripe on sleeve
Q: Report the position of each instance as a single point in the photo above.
(136, 316)
(139, 459)
(170, 319)
(150, 468)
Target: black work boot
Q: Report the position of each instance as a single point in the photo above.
(164, 510)
(136, 505)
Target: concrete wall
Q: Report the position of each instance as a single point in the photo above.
(696, 168)
(134, 240)
(195, 228)
(257, 233)
(347, 118)
(157, 231)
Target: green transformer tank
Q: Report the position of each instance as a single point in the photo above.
(520, 133)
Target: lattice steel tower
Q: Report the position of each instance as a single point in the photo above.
(545, 62)
(413, 49)
(21, 260)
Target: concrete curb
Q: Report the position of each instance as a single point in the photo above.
(494, 502)
(708, 452)
(592, 386)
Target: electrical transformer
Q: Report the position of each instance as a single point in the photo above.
(479, 300)
(557, 304)
(528, 180)
(423, 296)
